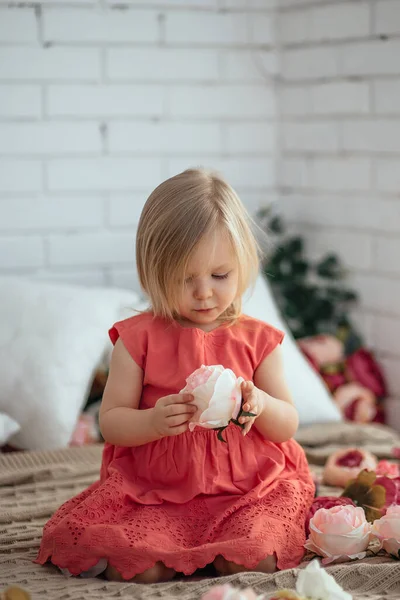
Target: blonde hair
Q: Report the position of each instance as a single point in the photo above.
(177, 214)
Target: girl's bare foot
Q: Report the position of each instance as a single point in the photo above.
(156, 574)
(226, 567)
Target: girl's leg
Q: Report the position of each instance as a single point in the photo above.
(225, 567)
(156, 574)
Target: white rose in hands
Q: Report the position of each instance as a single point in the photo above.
(217, 396)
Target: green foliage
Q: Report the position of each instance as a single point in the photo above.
(311, 294)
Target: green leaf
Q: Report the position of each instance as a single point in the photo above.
(276, 225)
(219, 436)
(244, 413)
(236, 422)
(295, 245)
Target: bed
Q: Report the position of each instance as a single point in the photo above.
(34, 484)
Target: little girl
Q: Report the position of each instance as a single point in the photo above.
(170, 499)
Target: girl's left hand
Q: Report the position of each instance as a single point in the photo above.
(252, 403)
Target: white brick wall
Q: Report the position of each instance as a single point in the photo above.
(339, 106)
(101, 100)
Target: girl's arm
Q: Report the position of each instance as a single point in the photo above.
(278, 418)
(121, 421)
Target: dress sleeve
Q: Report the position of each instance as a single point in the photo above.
(267, 340)
(134, 335)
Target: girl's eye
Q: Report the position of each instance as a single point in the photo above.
(225, 276)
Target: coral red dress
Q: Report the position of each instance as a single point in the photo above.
(183, 500)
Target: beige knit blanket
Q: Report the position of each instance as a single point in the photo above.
(34, 484)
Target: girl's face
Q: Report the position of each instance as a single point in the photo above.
(211, 283)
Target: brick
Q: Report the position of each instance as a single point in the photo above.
(298, 3)
(18, 25)
(390, 366)
(125, 278)
(310, 136)
(353, 248)
(201, 4)
(87, 25)
(20, 175)
(33, 64)
(250, 138)
(386, 331)
(371, 136)
(387, 96)
(294, 100)
(124, 210)
(377, 57)
(33, 214)
(263, 29)
(162, 64)
(165, 138)
(358, 212)
(387, 17)
(378, 292)
(103, 174)
(217, 29)
(387, 175)
(392, 413)
(325, 23)
(386, 255)
(294, 172)
(94, 101)
(99, 248)
(245, 173)
(340, 174)
(19, 252)
(340, 97)
(248, 65)
(20, 101)
(49, 138)
(310, 63)
(85, 277)
(248, 5)
(222, 102)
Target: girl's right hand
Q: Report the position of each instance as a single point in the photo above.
(172, 414)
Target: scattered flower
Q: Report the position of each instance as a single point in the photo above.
(385, 468)
(367, 494)
(356, 402)
(322, 349)
(315, 583)
(344, 465)
(387, 531)
(227, 592)
(325, 502)
(362, 367)
(392, 489)
(337, 533)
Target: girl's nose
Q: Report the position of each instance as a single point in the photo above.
(203, 291)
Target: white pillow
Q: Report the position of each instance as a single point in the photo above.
(312, 399)
(52, 337)
(8, 427)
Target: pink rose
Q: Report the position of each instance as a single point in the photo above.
(357, 403)
(325, 502)
(387, 531)
(385, 468)
(362, 367)
(344, 465)
(323, 349)
(217, 396)
(333, 380)
(227, 592)
(339, 532)
(392, 487)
